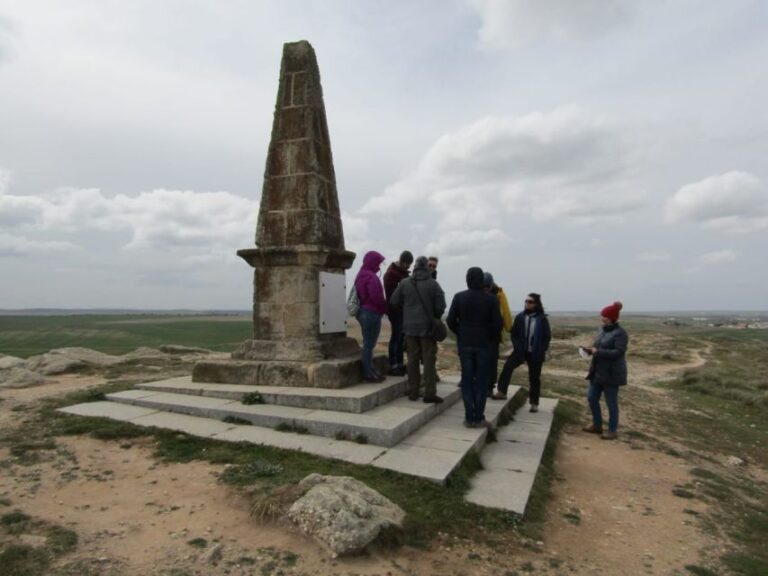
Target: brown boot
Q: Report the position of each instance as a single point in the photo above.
(592, 429)
(608, 435)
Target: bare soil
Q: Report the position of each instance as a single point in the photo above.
(612, 510)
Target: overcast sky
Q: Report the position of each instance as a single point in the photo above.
(590, 151)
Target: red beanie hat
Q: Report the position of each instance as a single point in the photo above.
(612, 312)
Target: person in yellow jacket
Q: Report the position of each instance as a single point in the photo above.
(506, 315)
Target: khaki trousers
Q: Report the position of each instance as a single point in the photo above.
(421, 349)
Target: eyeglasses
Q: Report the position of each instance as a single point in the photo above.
(529, 301)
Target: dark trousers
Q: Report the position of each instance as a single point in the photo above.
(534, 375)
(422, 349)
(474, 381)
(396, 341)
(493, 368)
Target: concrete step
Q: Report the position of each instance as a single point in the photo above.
(510, 464)
(383, 426)
(432, 452)
(356, 399)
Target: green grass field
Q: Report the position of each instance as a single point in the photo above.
(25, 336)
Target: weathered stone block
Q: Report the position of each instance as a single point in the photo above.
(283, 374)
(271, 229)
(300, 87)
(294, 123)
(227, 372)
(336, 374)
(301, 319)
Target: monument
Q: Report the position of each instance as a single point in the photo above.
(299, 318)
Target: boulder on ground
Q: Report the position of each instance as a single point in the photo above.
(20, 377)
(343, 513)
(7, 362)
(63, 360)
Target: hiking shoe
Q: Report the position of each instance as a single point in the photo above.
(397, 371)
(608, 435)
(533, 408)
(468, 424)
(374, 379)
(413, 397)
(592, 429)
(499, 396)
(433, 400)
(484, 424)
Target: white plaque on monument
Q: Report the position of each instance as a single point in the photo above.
(333, 303)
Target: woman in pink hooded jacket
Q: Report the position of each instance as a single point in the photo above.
(373, 306)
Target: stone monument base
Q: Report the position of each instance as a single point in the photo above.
(298, 350)
(336, 373)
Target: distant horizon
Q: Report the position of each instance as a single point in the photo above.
(40, 311)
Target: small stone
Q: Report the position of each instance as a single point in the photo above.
(213, 555)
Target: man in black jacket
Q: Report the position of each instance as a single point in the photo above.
(475, 319)
(396, 272)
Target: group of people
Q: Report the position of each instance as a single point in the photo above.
(481, 318)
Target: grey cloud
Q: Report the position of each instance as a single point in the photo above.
(565, 163)
(6, 38)
(735, 201)
(160, 218)
(507, 24)
(19, 246)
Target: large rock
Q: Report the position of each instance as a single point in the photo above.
(343, 513)
(64, 360)
(7, 362)
(20, 377)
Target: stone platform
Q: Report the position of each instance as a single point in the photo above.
(422, 440)
(338, 373)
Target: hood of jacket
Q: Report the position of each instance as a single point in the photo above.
(421, 274)
(372, 260)
(475, 278)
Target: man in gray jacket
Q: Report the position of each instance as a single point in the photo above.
(422, 299)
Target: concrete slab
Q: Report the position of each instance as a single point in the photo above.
(123, 412)
(511, 463)
(507, 491)
(428, 463)
(530, 432)
(127, 396)
(194, 425)
(357, 398)
(512, 456)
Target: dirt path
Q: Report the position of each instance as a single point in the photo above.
(612, 510)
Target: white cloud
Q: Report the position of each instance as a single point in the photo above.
(566, 164)
(12, 245)
(735, 201)
(507, 24)
(460, 243)
(654, 256)
(718, 257)
(6, 33)
(710, 259)
(160, 218)
(356, 231)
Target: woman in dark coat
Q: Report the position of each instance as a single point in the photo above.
(607, 372)
(531, 335)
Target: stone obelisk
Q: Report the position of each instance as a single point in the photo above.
(300, 252)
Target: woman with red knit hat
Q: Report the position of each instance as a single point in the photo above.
(607, 372)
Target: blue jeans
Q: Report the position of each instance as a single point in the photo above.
(396, 341)
(474, 381)
(611, 400)
(370, 323)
